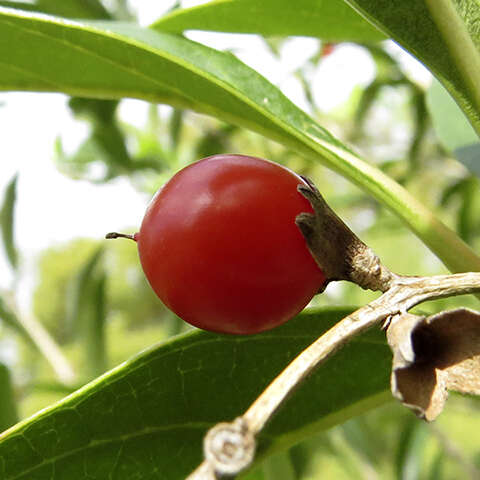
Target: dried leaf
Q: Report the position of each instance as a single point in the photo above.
(433, 355)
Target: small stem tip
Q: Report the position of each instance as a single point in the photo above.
(121, 235)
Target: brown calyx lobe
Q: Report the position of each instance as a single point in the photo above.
(337, 250)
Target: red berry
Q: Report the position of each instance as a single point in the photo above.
(220, 247)
(327, 49)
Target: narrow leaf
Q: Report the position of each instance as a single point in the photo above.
(449, 122)
(452, 128)
(8, 409)
(279, 467)
(106, 142)
(20, 5)
(456, 22)
(436, 468)
(91, 9)
(7, 222)
(87, 312)
(330, 20)
(410, 23)
(175, 126)
(147, 417)
(36, 335)
(469, 155)
(114, 60)
(410, 450)
(9, 318)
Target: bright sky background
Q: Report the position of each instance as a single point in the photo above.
(52, 209)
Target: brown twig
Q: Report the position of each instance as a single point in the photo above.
(230, 440)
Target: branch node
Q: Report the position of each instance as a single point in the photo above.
(229, 447)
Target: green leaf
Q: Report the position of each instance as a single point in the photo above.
(452, 128)
(330, 20)
(436, 467)
(7, 219)
(115, 60)
(410, 451)
(9, 318)
(410, 23)
(279, 467)
(469, 155)
(91, 9)
(35, 334)
(20, 5)
(175, 126)
(106, 142)
(147, 417)
(464, 192)
(87, 312)
(8, 409)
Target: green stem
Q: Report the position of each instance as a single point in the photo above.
(460, 44)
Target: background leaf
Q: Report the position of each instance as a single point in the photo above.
(330, 20)
(149, 414)
(35, 335)
(410, 24)
(7, 222)
(92, 9)
(451, 126)
(87, 313)
(8, 409)
(279, 467)
(55, 55)
(469, 155)
(411, 450)
(9, 318)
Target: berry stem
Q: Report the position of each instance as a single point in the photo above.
(113, 235)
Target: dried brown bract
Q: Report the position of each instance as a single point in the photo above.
(432, 355)
(337, 250)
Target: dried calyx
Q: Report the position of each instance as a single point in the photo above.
(432, 355)
(337, 250)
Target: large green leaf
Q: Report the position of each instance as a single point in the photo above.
(114, 60)
(330, 20)
(149, 414)
(410, 23)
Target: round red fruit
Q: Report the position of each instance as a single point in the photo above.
(220, 247)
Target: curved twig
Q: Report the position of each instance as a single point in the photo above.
(403, 294)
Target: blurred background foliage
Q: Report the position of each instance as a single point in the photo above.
(92, 307)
